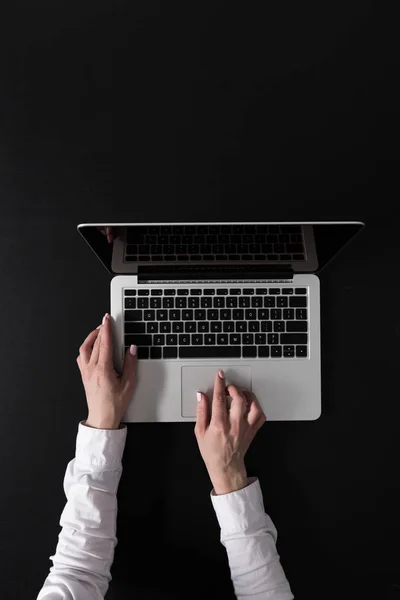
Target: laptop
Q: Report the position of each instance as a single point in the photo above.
(199, 297)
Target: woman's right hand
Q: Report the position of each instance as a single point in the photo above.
(224, 436)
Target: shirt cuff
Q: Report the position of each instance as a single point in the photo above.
(241, 510)
(101, 448)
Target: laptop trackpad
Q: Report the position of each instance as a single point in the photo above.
(202, 379)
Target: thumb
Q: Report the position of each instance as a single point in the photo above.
(129, 369)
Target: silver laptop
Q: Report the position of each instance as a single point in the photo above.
(198, 297)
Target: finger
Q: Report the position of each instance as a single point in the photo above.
(202, 414)
(109, 233)
(129, 369)
(219, 409)
(85, 350)
(106, 344)
(96, 348)
(238, 404)
(255, 411)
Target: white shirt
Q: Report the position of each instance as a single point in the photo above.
(85, 549)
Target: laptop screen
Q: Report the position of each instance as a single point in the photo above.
(305, 247)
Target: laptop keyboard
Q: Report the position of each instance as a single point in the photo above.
(201, 322)
(180, 243)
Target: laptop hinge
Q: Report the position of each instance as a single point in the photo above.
(211, 272)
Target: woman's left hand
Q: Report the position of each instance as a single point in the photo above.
(108, 394)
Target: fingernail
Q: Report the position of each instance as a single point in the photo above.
(198, 394)
(98, 327)
(104, 318)
(133, 349)
(221, 374)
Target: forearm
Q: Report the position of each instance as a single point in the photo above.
(249, 537)
(85, 550)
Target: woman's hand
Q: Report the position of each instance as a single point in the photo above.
(107, 393)
(225, 436)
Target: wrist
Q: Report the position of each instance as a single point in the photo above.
(102, 423)
(228, 482)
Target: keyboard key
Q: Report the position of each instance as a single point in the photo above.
(293, 338)
(149, 315)
(133, 315)
(143, 352)
(209, 339)
(143, 292)
(180, 303)
(182, 292)
(159, 340)
(250, 314)
(135, 327)
(248, 338)
(216, 326)
(248, 291)
(261, 291)
(156, 292)
(250, 352)
(256, 302)
(174, 315)
(162, 315)
(170, 352)
(254, 326)
(206, 302)
(222, 292)
(266, 326)
(235, 292)
(244, 302)
(130, 292)
(190, 327)
(238, 314)
(130, 302)
(195, 292)
(155, 352)
(155, 302)
(225, 314)
(212, 314)
(263, 314)
(296, 326)
(288, 351)
(230, 302)
(222, 339)
(273, 338)
(219, 302)
(298, 302)
(274, 291)
(287, 291)
(152, 327)
(282, 302)
(241, 326)
(300, 291)
(276, 314)
(269, 302)
(169, 292)
(228, 326)
(279, 326)
(301, 351)
(184, 339)
(197, 339)
(143, 303)
(172, 340)
(234, 338)
(139, 340)
(276, 351)
(187, 315)
(165, 327)
(209, 352)
(177, 327)
(209, 292)
(194, 302)
(301, 313)
(260, 339)
(263, 351)
(200, 315)
(288, 313)
(203, 327)
(168, 302)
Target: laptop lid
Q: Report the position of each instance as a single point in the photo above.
(251, 249)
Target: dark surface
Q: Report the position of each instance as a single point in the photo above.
(224, 113)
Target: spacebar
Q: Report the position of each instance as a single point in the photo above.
(209, 352)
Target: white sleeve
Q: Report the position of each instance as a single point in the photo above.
(249, 537)
(85, 549)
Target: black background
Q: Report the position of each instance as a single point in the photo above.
(199, 112)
